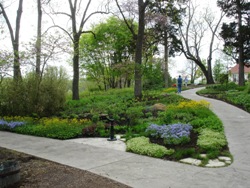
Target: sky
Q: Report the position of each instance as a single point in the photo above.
(29, 19)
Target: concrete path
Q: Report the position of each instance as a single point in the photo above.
(145, 172)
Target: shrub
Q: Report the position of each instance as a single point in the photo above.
(223, 87)
(248, 88)
(53, 128)
(170, 90)
(142, 146)
(211, 140)
(171, 134)
(43, 96)
(183, 153)
(89, 131)
(133, 114)
(211, 122)
(192, 104)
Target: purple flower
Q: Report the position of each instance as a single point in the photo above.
(11, 124)
(3, 123)
(170, 133)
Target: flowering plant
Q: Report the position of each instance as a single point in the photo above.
(10, 125)
(171, 134)
(192, 104)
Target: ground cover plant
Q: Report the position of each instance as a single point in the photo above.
(162, 125)
(231, 93)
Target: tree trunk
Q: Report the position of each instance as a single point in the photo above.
(15, 43)
(75, 85)
(240, 60)
(166, 59)
(138, 52)
(38, 39)
(210, 79)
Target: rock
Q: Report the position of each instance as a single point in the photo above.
(203, 155)
(191, 161)
(222, 158)
(215, 163)
(159, 107)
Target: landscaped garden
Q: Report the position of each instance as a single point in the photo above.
(162, 124)
(231, 93)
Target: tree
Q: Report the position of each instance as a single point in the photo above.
(5, 59)
(139, 38)
(193, 36)
(166, 18)
(218, 69)
(191, 69)
(236, 33)
(39, 37)
(106, 55)
(14, 36)
(77, 31)
(139, 45)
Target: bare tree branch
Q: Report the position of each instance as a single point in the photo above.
(125, 20)
(57, 26)
(90, 32)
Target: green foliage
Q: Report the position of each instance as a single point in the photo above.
(218, 70)
(153, 77)
(208, 91)
(212, 154)
(211, 140)
(230, 31)
(240, 99)
(223, 78)
(210, 122)
(142, 146)
(134, 114)
(106, 55)
(31, 95)
(53, 128)
(170, 90)
(184, 153)
(248, 88)
(223, 87)
(232, 93)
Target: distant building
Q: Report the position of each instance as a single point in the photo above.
(234, 73)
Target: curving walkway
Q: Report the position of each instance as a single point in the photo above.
(145, 172)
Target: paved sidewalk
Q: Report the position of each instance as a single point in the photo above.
(145, 172)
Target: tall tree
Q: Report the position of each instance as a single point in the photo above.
(77, 30)
(194, 34)
(39, 37)
(236, 33)
(139, 46)
(166, 17)
(139, 37)
(14, 36)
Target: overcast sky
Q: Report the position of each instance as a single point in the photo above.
(29, 20)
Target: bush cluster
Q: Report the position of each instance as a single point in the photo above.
(34, 95)
(142, 146)
(211, 140)
(47, 127)
(231, 93)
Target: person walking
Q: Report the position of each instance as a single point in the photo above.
(179, 84)
(186, 81)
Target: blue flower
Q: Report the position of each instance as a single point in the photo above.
(174, 133)
(11, 124)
